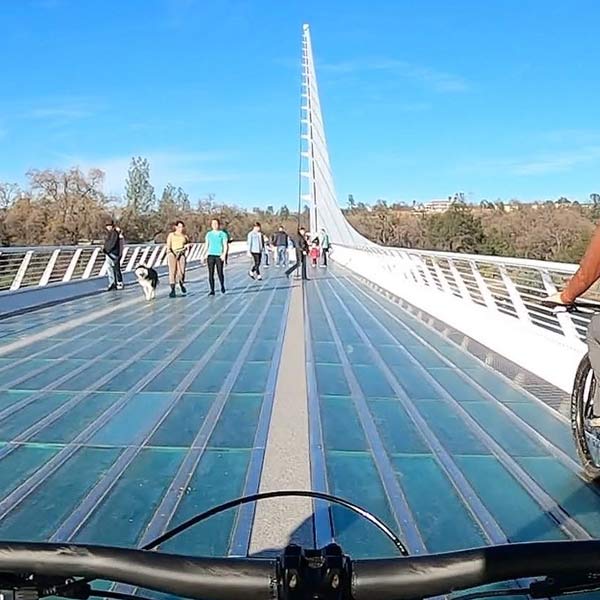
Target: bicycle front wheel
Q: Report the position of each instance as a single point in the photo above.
(587, 440)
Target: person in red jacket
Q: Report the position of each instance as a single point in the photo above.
(587, 274)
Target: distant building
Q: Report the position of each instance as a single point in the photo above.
(435, 206)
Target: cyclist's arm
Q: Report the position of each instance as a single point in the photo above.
(588, 272)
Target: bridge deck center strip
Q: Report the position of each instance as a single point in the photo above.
(287, 463)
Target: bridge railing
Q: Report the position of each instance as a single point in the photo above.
(496, 300)
(31, 267)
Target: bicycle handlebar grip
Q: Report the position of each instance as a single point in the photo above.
(214, 578)
(424, 576)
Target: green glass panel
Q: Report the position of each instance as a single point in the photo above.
(498, 386)
(73, 422)
(457, 386)
(127, 379)
(88, 377)
(341, 426)
(450, 428)
(31, 414)
(325, 353)
(42, 512)
(252, 378)
(579, 499)
(331, 380)
(542, 419)
(399, 434)
(503, 429)
(56, 370)
(373, 382)
(236, 427)
(169, 378)
(122, 516)
(183, 422)
(212, 377)
(353, 476)
(521, 518)
(262, 350)
(415, 384)
(444, 521)
(20, 464)
(220, 476)
(140, 414)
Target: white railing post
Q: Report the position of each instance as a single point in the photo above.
(89, 269)
(45, 278)
(131, 263)
(441, 277)
(462, 287)
(564, 319)
(514, 295)
(152, 258)
(20, 275)
(145, 253)
(487, 296)
(72, 265)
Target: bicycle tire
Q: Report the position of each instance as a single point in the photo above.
(581, 403)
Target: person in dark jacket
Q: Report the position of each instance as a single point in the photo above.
(112, 252)
(280, 241)
(301, 245)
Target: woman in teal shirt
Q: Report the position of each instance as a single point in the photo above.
(216, 246)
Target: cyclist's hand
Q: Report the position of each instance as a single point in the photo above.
(555, 299)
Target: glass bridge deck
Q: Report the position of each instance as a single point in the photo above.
(114, 428)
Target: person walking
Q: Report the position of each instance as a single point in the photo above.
(266, 249)
(118, 273)
(216, 250)
(325, 246)
(177, 247)
(112, 251)
(280, 242)
(225, 230)
(301, 245)
(256, 244)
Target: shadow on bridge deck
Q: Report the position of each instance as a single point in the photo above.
(114, 427)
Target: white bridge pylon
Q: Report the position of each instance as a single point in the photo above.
(318, 190)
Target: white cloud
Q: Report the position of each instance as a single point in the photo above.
(185, 169)
(542, 164)
(63, 109)
(439, 81)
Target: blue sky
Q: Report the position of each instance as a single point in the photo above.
(420, 99)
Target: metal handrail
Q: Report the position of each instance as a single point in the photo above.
(513, 287)
(39, 266)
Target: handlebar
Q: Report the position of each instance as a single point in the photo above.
(260, 579)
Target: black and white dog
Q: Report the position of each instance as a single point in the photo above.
(148, 278)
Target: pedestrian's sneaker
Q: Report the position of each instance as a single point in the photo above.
(183, 288)
(222, 290)
(120, 285)
(259, 277)
(211, 293)
(172, 294)
(111, 287)
(251, 274)
(323, 266)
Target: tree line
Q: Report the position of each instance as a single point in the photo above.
(60, 207)
(68, 207)
(557, 231)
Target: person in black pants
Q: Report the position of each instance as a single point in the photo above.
(216, 242)
(301, 245)
(256, 246)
